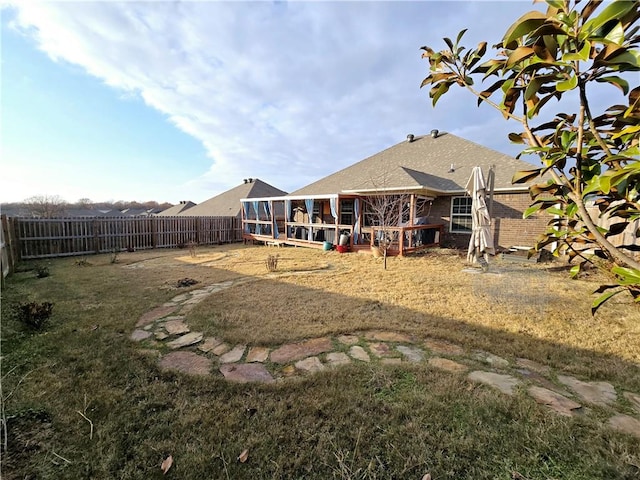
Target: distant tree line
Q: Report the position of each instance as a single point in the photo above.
(48, 206)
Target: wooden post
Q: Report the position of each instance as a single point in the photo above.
(96, 238)
(154, 229)
(273, 220)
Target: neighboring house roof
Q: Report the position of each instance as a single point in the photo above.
(433, 166)
(176, 209)
(228, 203)
(140, 212)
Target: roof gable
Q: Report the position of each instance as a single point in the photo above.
(228, 203)
(442, 165)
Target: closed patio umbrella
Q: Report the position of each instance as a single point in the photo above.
(481, 242)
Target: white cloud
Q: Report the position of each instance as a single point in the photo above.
(286, 92)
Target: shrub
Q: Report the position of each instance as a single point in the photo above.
(42, 271)
(272, 263)
(33, 314)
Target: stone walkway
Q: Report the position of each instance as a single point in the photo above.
(163, 329)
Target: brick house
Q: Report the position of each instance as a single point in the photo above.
(430, 171)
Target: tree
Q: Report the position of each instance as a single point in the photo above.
(586, 156)
(46, 206)
(386, 211)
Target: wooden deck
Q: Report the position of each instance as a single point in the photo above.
(415, 238)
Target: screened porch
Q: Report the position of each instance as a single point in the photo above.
(323, 221)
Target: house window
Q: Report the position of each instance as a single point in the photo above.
(461, 220)
(346, 212)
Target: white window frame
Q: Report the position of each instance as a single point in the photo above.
(460, 215)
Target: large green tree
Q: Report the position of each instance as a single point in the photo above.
(561, 57)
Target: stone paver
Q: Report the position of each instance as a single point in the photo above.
(531, 365)
(221, 349)
(491, 359)
(348, 339)
(209, 344)
(383, 345)
(625, 424)
(597, 393)
(388, 337)
(155, 314)
(504, 383)
(634, 398)
(185, 340)
(247, 372)
(359, 353)
(412, 354)
(180, 298)
(186, 362)
(535, 377)
(176, 327)
(555, 401)
(443, 348)
(447, 365)
(234, 355)
(138, 335)
(257, 354)
(311, 364)
(335, 359)
(160, 335)
(297, 351)
(380, 349)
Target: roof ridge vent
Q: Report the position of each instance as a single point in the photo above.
(434, 133)
(410, 137)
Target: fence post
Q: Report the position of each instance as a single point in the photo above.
(154, 230)
(96, 238)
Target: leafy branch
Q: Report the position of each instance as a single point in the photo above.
(585, 158)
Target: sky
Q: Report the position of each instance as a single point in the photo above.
(172, 101)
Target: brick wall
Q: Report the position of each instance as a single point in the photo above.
(509, 228)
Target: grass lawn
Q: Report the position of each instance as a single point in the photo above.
(81, 400)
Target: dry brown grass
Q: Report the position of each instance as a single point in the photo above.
(516, 310)
(359, 421)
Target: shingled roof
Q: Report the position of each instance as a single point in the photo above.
(228, 203)
(176, 209)
(437, 165)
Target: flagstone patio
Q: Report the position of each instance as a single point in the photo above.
(192, 353)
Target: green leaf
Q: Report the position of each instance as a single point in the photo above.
(613, 11)
(569, 84)
(626, 130)
(516, 138)
(575, 271)
(449, 43)
(582, 55)
(629, 276)
(437, 92)
(597, 303)
(531, 210)
(524, 25)
(555, 211)
(621, 83)
(518, 55)
(625, 57)
(616, 35)
(524, 176)
(460, 35)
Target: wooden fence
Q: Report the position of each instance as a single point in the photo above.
(32, 238)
